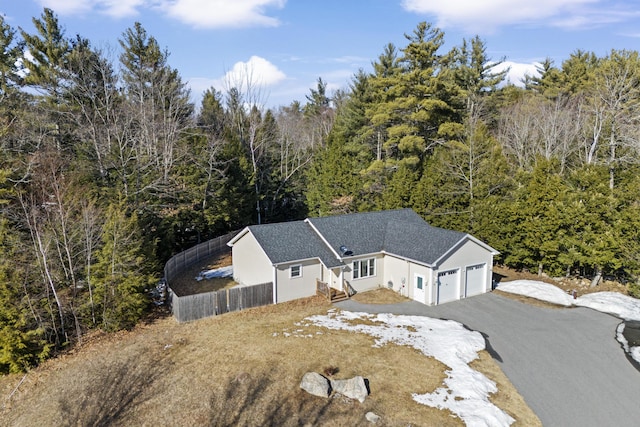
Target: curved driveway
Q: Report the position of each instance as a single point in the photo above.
(565, 362)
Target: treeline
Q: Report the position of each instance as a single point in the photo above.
(547, 174)
(107, 169)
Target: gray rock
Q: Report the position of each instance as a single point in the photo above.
(372, 418)
(354, 388)
(315, 384)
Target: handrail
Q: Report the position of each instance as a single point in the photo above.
(323, 289)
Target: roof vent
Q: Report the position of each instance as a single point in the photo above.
(345, 251)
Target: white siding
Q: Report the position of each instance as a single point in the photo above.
(396, 271)
(297, 287)
(467, 254)
(250, 264)
(364, 283)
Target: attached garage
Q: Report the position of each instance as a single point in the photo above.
(475, 280)
(396, 249)
(448, 285)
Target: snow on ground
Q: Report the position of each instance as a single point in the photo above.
(538, 290)
(218, 272)
(465, 392)
(622, 306)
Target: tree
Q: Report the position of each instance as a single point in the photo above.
(539, 220)
(614, 109)
(92, 90)
(160, 107)
(22, 342)
(120, 272)
(9, 55)
(48, 50)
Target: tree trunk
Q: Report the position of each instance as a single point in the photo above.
(596, 279)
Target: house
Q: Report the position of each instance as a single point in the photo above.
(395, 249)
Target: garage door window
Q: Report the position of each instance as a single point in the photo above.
(364, 268)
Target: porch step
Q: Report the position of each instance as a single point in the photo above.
(337, 296)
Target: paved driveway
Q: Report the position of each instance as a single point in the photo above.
(566, 363)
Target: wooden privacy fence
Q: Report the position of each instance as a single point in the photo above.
(181, 261)
(193, 307)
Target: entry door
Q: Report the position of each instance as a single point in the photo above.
(448, 286)
(419, 285)
(475, 279)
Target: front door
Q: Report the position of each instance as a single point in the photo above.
(419, 291)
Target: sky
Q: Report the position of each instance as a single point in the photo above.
(286, 45)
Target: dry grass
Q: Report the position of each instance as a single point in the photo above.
(187, 284)
(234, 369)
(379, 296)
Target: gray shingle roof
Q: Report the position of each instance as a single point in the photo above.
(292, 241)
(400, 232)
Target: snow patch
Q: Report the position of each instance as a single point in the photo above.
(465, 392)
(215, 273)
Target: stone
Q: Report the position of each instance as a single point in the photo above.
(315, 384)
(354, 388)
(372, 418)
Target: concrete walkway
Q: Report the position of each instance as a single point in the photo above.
(566, 363)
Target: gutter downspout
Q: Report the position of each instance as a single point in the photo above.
(275, 284)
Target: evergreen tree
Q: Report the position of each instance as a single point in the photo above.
(334, 179)
(120, 272)
(22, 342)
(9, 55)
(539, 220)
(48, 50)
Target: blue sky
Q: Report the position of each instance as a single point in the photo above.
(285, 45)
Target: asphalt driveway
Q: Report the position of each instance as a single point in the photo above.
(566, 362)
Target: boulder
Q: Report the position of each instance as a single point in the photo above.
(315, 384)
(354, 388)
(372, 418)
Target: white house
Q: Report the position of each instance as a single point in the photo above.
(395, 249)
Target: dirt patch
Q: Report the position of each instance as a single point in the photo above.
(379, 296)
(236, 369)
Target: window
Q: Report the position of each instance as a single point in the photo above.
(364, 268)
(295, 271)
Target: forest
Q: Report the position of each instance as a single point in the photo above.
(107, 168)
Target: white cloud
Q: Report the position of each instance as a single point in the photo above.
(256, 73)
(518, 71)
(199, 13)
(222, 13)
(115, 8)
(120, 8)
(487, 15)
(67, 7)
(256, 70)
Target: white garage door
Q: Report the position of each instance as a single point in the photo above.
(448, 286)
(475, 279)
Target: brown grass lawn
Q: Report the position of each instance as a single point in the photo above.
(234, 369)
(379, 296)
(187, 284)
